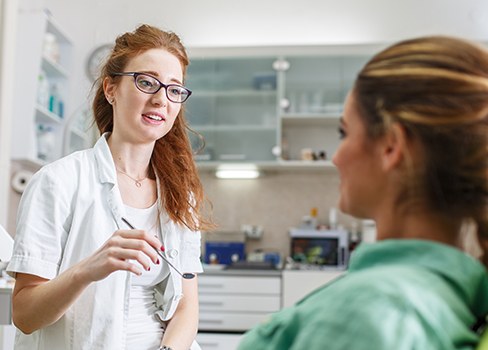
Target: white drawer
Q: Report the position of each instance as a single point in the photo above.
(239, 284)
(235, 321)
(234, 302)
(218, 341)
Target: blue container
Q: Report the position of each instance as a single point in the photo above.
(224, 252)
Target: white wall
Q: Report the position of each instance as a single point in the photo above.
(8, 16)
(223, 23)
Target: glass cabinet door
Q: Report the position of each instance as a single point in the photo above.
(234, 107)
(314, 91)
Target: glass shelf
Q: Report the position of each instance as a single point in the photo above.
(53, 69)
(235, 93)
(311, 119)
(233, 128)
(44, 116)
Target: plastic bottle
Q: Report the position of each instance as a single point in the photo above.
(50, 47)
(354, 238)
(333, 218)
(369, 231)
(56, 104)
(45, 142)
(314, 217)
(43, 89)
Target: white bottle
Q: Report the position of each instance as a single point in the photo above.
(45, 142)
(50, 47)
(43, 89)
(333, 218)
(369, 231)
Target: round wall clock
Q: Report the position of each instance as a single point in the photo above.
(96, 58)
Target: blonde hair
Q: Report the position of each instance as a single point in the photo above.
(437, 89)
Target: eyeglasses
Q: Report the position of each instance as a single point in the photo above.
(150, 85)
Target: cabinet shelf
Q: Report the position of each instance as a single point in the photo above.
(235, 93)
(233, 128)
(53, 27)
(78, 133)
(44, 116)
(310, 164)
(53, 69)
(292, 165)
(311, 119)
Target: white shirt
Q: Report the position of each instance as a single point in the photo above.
(144, 329)
(68, 210)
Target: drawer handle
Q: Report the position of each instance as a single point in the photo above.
(211, 303)
(216, 285)
(211, 321)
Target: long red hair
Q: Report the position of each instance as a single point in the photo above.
(172, 158)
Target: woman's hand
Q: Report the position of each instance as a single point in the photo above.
(125, 250)
(39, 302)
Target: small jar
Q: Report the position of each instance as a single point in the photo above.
(50, 47)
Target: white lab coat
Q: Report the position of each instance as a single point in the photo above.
(69, 209)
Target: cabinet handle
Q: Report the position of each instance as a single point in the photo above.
(211, 303)
(211, 321)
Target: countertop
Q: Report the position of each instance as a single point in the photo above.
(219, 270)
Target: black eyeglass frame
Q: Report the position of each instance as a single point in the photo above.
(161, 85)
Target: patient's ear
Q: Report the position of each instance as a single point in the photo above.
(394, 147)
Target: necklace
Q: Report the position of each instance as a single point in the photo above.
(137, 181)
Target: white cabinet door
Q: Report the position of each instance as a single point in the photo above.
(216, 341)
(297, 284)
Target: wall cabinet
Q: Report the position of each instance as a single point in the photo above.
(271, 109)
(234, 107)
(311, 101)
(42, 86)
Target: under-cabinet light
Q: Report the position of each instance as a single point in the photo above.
(237, 172)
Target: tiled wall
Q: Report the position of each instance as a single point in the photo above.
(276, 201)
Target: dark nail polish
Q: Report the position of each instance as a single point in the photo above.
(162, 248)
(157, 262)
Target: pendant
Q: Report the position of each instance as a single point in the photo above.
(138, 184)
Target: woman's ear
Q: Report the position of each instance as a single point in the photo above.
(109, 89)
(394, 147)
